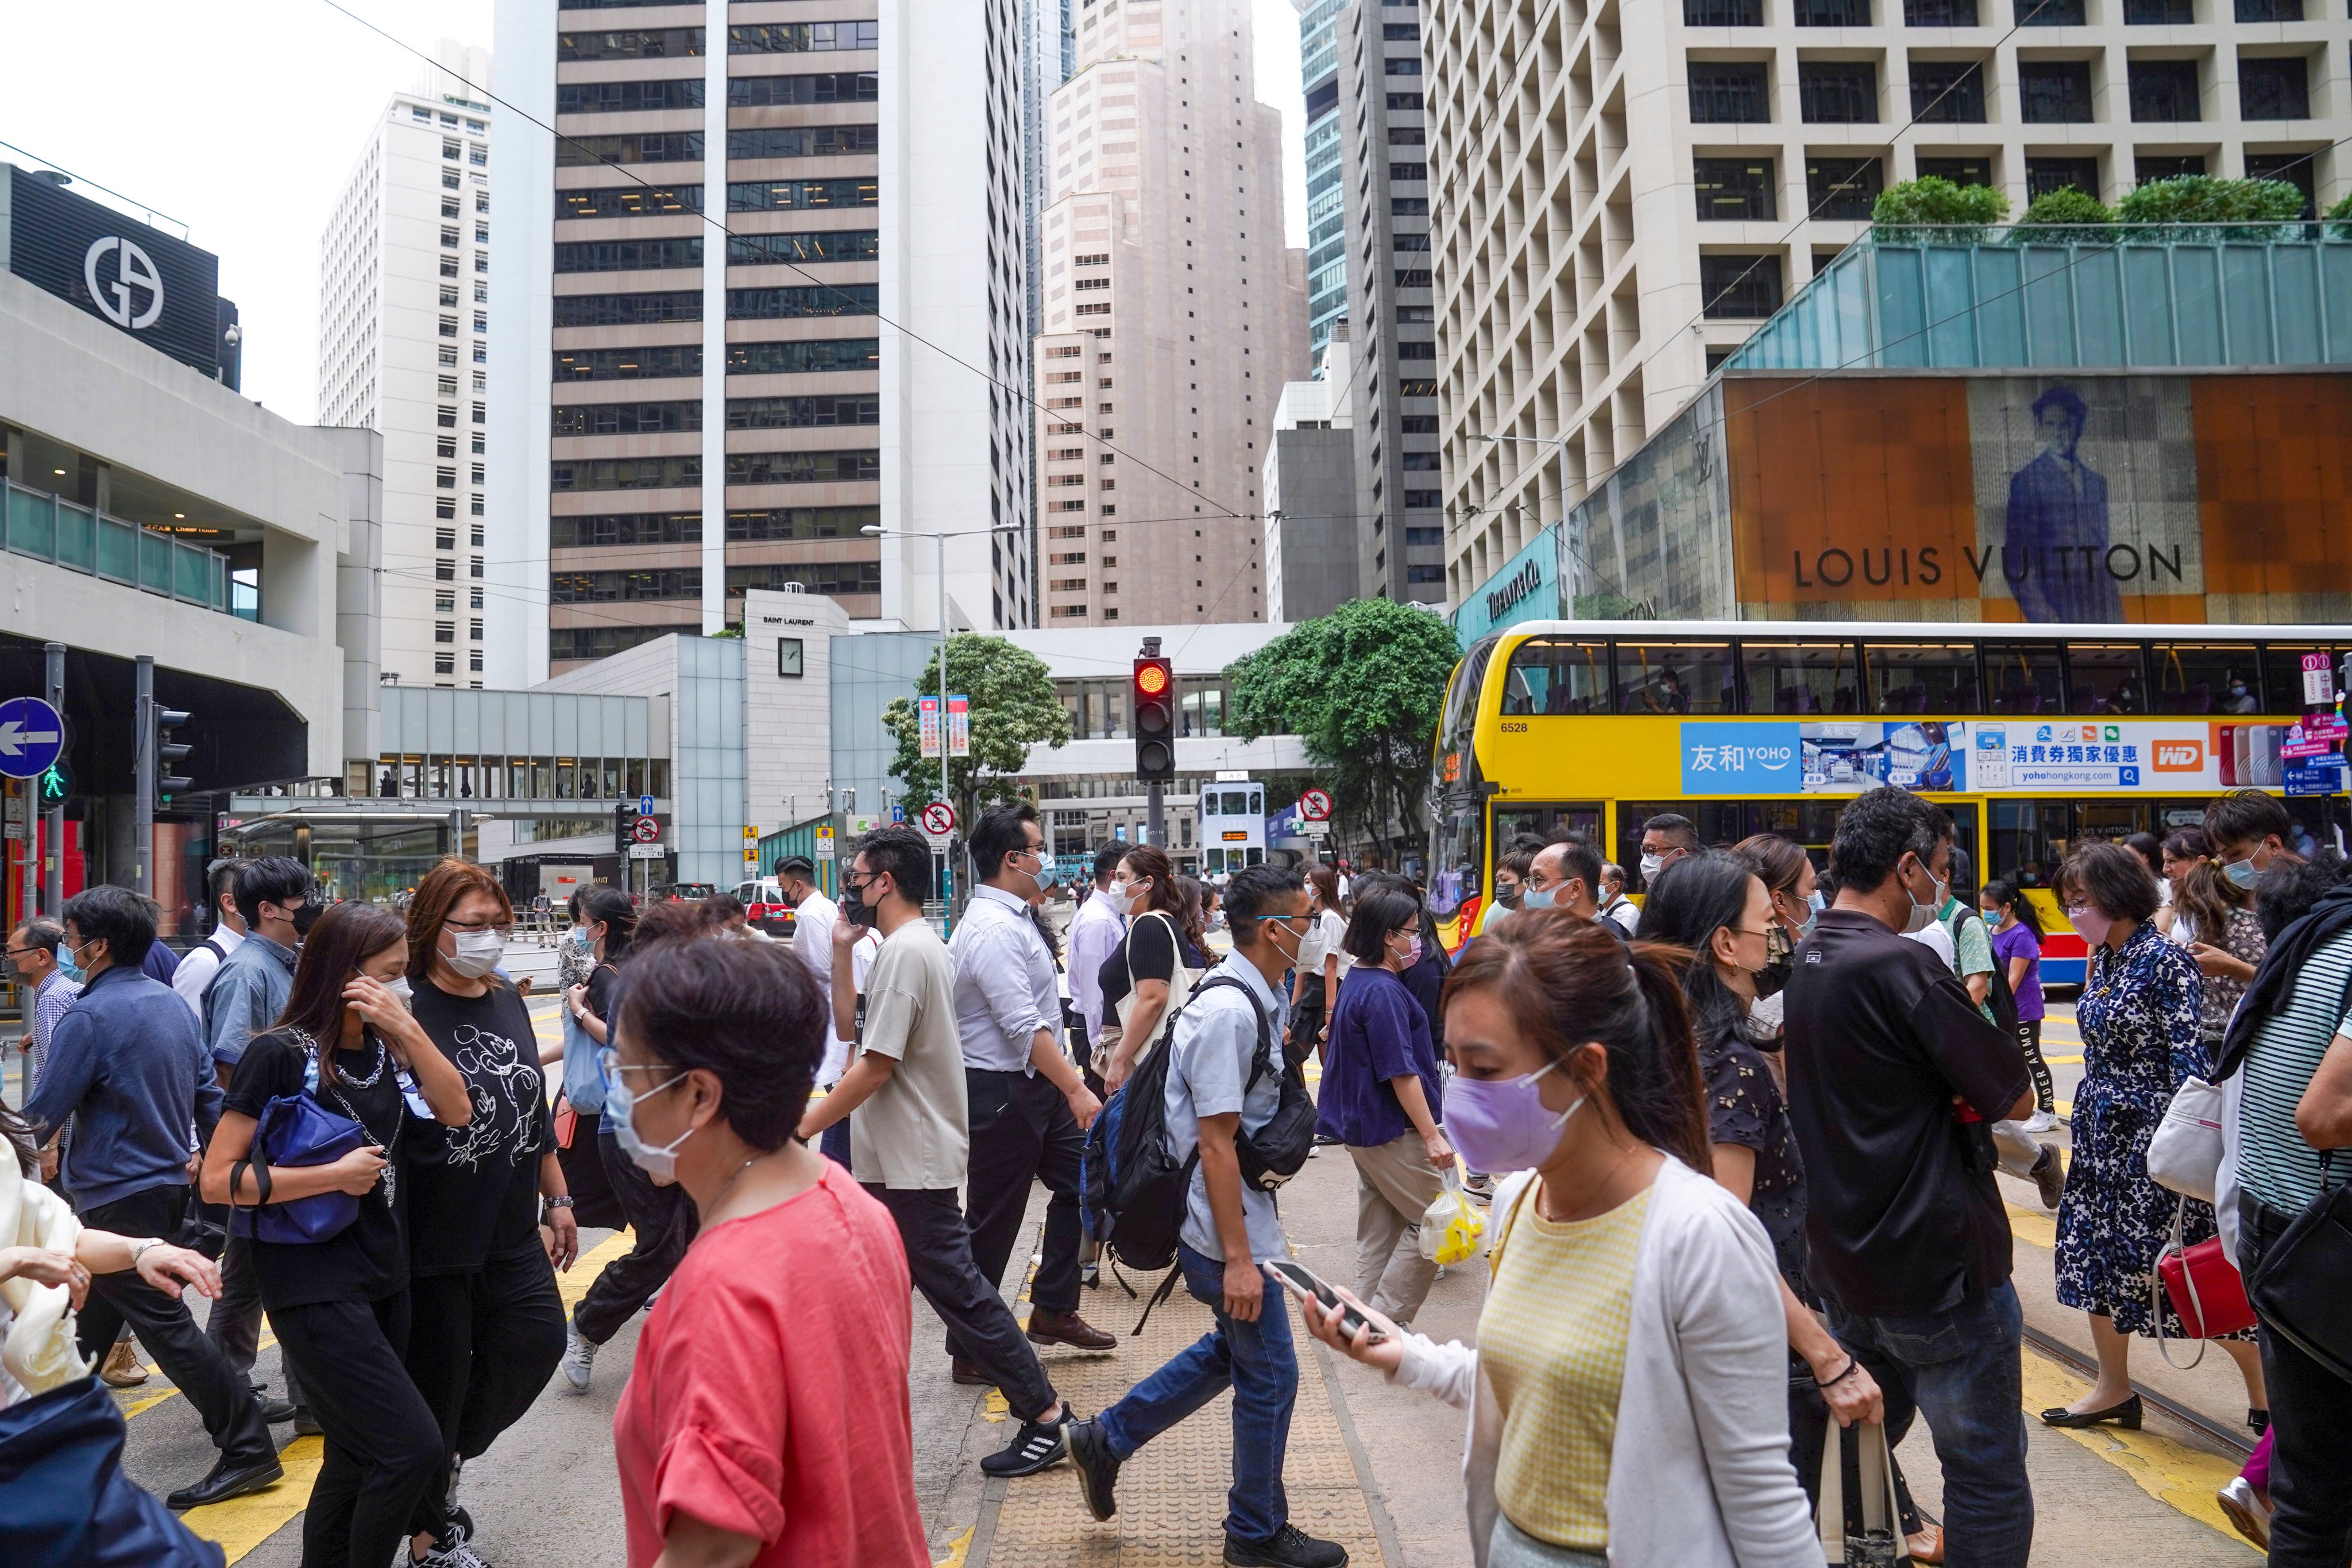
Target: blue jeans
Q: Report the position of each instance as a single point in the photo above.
(1256, 1360)
(1961, 1368)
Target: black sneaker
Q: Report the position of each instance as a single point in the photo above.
(1289, 1547)
(1096, 1466)
(1038, 1446)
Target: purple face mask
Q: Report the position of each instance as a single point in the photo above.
(2093, 922)
(1503, 1124)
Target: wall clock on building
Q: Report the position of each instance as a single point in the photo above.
(788, 657)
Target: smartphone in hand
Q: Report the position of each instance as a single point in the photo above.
(1306, 1283)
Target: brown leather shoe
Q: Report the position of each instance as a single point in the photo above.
(1067, 1329)
(970, 1374)
(121, 1369)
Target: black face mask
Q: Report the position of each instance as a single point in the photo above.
(307, 915)
(1773, 978)
(1509, 900)
(854, 909)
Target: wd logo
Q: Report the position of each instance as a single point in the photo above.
(2179, 756)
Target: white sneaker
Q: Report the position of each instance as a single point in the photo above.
(2041, 1122)
(455, 1554)
(578, 1362)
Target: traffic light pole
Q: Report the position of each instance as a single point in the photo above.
(53, 873)
(1155, 824)
(143, 767)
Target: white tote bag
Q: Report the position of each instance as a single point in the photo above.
(1880, 1543)
(2184, 1153)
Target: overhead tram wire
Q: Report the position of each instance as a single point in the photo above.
(1025, 397)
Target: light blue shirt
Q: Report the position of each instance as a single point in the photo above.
(247, 994)
(1004, 990)
(1216, 1041)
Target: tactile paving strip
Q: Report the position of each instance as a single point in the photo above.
(1172, 1494)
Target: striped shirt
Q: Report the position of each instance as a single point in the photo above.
(50, 999)
(2274, 1164)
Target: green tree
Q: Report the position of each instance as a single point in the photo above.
(2203, 198)
(2339, 220)
(1013, 708)
(1904, 212)
(1361, 688)
(2062, 217)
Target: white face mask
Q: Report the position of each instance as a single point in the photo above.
(398, 986)
(1128, 897)
(1922, 915)
(477, 953)
(1652, 865)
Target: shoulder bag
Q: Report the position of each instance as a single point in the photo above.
(2303, 1287)
(2184, 1155)
(1180, 986)
(296, 1130)
(1879, 1543)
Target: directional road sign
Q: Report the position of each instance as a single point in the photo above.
(645, 806)
(31, 735)
(1314, 805)
(939, 819)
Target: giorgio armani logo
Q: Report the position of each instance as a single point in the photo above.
(135, 276)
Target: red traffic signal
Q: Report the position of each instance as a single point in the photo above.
(1155, 717)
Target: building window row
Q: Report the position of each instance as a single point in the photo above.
(804, 356)
(624, 528)
(1971, 13)
(631, 44)
(804, 141)
(627, 309)
(626, 474)
(624, 587)
(771, 525)
(825, 87)
(628, 96)
(637, 147)
(855, 467)
(629, 418)
(1950, 92)
(802, 195)
(650, 361)
(799, 301)
(830, 577)
(627, 201)
(804, 413)
(627, 255)
(802, 37)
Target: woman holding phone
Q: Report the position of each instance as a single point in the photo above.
(1624, 1277)
(340, 1306)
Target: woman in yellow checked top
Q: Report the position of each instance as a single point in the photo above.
(1628, 1397)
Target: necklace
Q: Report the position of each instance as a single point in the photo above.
(381, 1055)
(719, 1196)
(1542, 1192)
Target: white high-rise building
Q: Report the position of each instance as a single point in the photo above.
(773, 292)
(403, 349)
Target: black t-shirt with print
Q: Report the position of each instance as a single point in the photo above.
(1149, 947)
(474, 1189)
(368, 1261)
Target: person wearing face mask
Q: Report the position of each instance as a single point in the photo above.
(661, 1222)
(1322, 961)
(1723, 913)
(1791, 882)
(1906, 1238)
(1029, 1109)
(1626, 1398)
(2017, 944)
(493, 1218)
(765, 1422)
(1510, 877)
(194, 974)
(594, 1202)
(2141, 1015)
(1564, 875)
(1382, 1097)
(909, 1144)
(2251, 831)
(1615, 907)
(34, 950)
(127, 1064)
(1094, 934)
(1666, 837)
(1150, 972)
(340, 1306)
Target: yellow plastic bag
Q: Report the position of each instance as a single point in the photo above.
(1453, 1228)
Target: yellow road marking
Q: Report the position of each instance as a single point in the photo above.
(153, 1400)
(2062, 1061)
(2179, 1476)
(2032, 1227)
(957, 1547)
(242, 1523)
(997, 1408)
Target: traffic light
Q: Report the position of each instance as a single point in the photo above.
(1155, 714)
(625, 828)
(170, 754)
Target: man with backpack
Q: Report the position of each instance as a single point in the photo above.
(196, 971)
(1225, 1085)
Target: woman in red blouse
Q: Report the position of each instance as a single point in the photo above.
(766, 1419)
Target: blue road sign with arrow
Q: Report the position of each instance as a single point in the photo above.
(31, 736)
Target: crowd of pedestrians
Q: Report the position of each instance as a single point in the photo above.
(1739, 1141)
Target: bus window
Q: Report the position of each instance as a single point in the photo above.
(2108, 678)
(1675, 677)
(1551, 675)
(1237, 803)
(1582, 818)
(1800, 678)
(1257, 856)
(2188, 678)
(2283, 675)
(2023, 678)
(1214, 859)
(1923, 677)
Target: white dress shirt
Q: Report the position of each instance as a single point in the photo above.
(1093, 937)
(199, 964)
(1004, 990)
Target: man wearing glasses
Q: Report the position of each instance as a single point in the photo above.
(33, 958)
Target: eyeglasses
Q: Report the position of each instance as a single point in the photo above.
(504, 928)
(17, 951)
(609, 1062)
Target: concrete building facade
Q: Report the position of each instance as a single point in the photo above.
(1312, 565)
(1628, 192)
(779, 271)
(1326, 222)
(1173, 314)
(403, 349)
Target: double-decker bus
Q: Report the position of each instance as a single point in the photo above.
(1233, 826)
(2034, 737)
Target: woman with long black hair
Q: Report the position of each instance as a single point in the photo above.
(580, 1105)
(340, 1307)
(661, 1221)
(493, 1217)
(1148, 975)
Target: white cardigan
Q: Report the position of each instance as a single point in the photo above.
(1699, 1472)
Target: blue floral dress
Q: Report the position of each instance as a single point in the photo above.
(2139, 1016)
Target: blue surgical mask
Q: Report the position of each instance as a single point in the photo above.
(1537, 897)
(2240, 872)
(66, 964)
(660, 1163)
(580, 938)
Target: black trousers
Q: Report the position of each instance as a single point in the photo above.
(481, 1345)
(2311, 1426)
(1307, 1017)
(231, 1414)
(665, 1223)
(1021, 1130)
(938, 1255)
(594, 1202)
(382, 1443)
(234, 1325)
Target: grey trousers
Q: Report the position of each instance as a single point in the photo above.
(1394, 1183)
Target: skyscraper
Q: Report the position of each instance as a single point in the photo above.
(1173, 314)
(779, 282)
(1327, 237)
(403, 304)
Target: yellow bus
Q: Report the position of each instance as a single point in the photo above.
(2034, 737)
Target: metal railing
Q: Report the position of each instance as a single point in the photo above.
(48, 527)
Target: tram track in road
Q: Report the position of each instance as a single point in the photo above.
(2232, 1438)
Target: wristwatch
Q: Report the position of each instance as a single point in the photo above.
(549, 1206)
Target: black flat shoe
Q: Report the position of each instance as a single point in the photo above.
(226, 1482)
(2260, 1420)
(2125, 1415)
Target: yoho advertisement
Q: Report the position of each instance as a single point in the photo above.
(2101, 756)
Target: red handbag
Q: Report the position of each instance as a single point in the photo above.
(2205, 1289)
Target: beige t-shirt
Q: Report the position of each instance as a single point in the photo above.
(916, 1130)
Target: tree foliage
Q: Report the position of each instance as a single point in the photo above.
(2203, 198)
(1933, 201)
(2063, 214)
(1361, 688)
(1013, 708)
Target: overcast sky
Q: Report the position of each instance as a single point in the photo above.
(242, 122)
